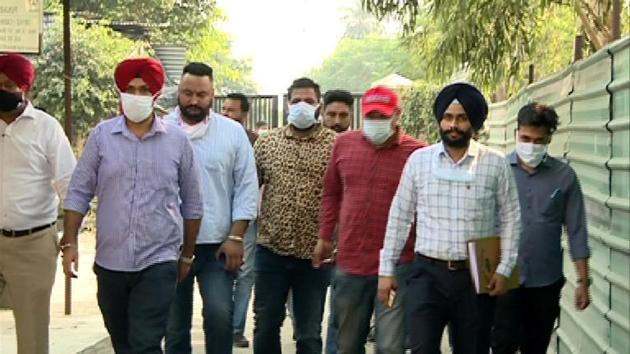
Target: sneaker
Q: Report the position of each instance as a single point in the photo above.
(240, 341)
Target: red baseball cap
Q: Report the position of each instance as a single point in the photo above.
(380, 99)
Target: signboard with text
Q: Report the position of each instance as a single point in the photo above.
(20, 25)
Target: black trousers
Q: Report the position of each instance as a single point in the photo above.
(436, 297)
(524, 319)
(135, 306)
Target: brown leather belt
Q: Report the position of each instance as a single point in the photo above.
(20, 233)
(450, 265)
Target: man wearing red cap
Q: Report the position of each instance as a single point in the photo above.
(360, 183)
(36, 162)
(143, 172)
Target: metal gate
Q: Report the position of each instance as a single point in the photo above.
(267, 108)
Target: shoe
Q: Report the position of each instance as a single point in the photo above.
(240, 341)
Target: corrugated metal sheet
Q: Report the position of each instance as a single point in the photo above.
(592, 98)
(619, 202)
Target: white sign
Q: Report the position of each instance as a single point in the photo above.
(20, 25)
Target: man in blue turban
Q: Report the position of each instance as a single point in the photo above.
(456, 190)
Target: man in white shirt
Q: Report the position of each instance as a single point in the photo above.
(458, 190)
(36, 163)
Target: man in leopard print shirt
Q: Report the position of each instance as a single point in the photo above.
(291, 162)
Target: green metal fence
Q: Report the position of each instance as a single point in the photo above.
(592, 98)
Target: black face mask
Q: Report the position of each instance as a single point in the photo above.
(9, 101)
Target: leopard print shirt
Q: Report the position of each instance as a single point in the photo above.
(292, 170)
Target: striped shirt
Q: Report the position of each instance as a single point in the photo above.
(455, 202)
(139, 184)
(229, 184)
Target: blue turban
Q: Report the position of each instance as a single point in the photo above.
(469, 97)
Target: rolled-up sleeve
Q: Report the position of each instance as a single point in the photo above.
(84, 179)
(245, 200)
(189, 189)
(575, 221)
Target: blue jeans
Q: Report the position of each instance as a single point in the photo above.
(245, 281)
(135, 306)
(275, 275)
(355, 300)
(216, 287)
(331, 333)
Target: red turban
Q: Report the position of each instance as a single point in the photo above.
(18, 69)
(148, 69)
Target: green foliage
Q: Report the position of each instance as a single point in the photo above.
(495, 41)
(356, 63)
(417, 111)
(95, 53)
(213, 47)
(175, 21)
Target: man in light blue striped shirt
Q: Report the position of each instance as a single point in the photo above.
(229, 185)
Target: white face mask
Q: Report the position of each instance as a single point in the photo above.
(377, 130)
(301, 115)
(135, 107)
(195, 131)
(531, 154)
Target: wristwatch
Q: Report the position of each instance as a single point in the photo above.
(187, 260)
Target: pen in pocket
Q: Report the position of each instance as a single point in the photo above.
(555, 192)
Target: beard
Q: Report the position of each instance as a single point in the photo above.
(338, 128)
(194, 113)
(461, 141)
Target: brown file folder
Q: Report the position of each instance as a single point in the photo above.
(484, 256)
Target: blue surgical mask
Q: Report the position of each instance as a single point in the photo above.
(301, 115)
(377, 130)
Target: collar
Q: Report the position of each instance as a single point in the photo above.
(316, 133)
(472, 151)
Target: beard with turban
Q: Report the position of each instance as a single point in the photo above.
(21, 72)
(473, 103)
(148, 69)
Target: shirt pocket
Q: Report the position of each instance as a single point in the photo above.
(552, 206)
(478, 198)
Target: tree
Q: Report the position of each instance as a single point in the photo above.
(492, 40)
(169, 21)
(356, 63)
(213, 46)
(95, 53)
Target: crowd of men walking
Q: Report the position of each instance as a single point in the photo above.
(374, 216)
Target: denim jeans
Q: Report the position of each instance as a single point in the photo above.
(331, 332)
(135, 306)
(216, 286)
(245, 281)
(355, 300)
(275, 275)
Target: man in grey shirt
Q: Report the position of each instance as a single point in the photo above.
(550, 198)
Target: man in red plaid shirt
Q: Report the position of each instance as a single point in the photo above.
(360, 183)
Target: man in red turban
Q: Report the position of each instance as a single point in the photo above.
(139, 82)
(143, 172)
(37, 162)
